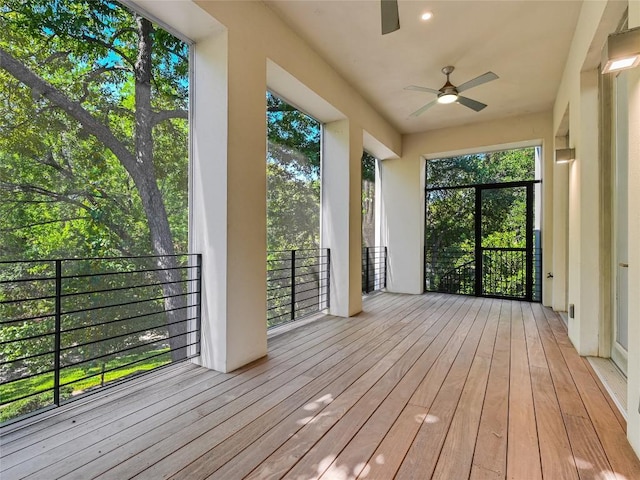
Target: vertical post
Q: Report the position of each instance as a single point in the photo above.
(293, 284)
(198, 302)
(385, 267)
(529, 244)
(478, 241)
(366, 269)
(328, 277)
(56, 341)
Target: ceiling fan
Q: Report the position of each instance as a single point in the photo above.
(449, 93)
(389, 15)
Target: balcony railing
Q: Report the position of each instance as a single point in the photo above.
(374, 269)
(297, 284)
(70, 326)
(504, 272)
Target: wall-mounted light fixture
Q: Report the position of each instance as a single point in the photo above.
(565, 155)
(621, 51)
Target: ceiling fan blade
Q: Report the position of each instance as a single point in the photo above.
(422, 89)
(472, 104)
(420, 111)
(390, 16)
(484, 78)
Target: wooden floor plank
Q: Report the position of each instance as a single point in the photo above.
(490, 454)
(365, 442)
(428, 386)
(555, 449)
(523, 455)
(457, 452)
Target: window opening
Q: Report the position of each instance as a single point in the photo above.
(481, 235)
(96, 275)
(297, 269)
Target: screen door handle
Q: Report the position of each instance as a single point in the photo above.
(623, 265)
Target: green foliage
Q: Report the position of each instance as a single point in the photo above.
(450, 236)
(293, 177)
(293, 209)
(478, 168)
(64, 193)
(368, 167)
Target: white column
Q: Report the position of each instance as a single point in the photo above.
(402, 222)
(584, 218)
(560, 230)
(633, 372)
(229, 199)
(341, 214)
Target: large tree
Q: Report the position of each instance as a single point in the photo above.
(89, 93)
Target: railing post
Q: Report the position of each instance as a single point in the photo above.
(293, 284)
(366, 276)
(478, 240)
(328, 277)
(385, 267)
(199, 303)
(56, 338)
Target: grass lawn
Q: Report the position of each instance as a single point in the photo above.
(74, 381)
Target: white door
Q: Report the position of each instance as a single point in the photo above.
(620, 330)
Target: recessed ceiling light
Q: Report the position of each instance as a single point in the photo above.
(426, 16)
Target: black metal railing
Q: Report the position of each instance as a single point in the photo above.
(504, 272)
(297, 284)
(70, 326)
(374, 269)
(449, 270)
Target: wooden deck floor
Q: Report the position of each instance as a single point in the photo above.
(430, 386)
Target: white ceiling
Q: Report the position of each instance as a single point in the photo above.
(524, 42)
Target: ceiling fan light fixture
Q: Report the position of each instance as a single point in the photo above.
(447, 98)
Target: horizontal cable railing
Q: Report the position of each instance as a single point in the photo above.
(70, 326)
(374, 269)
(297, 284)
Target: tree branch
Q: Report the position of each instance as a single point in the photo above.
(90, 124)
(48, 222)
(159, 117)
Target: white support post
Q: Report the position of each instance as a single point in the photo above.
(584, 221)
(229, 199)
(341, 213)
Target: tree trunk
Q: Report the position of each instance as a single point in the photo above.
(145, 179)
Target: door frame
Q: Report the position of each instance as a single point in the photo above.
(479, 249)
